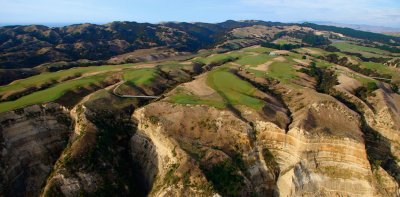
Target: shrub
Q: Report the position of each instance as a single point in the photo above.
(326, 79)
(225, 178)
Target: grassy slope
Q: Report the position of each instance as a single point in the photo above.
(257, 50)
(138, 77)
(365, 51)
(382, 69)
(281, 71)
(44, 78)
(141, 76)
(282, 41)
(183, 98)
(254, 60)
(50, 94)
(234, 90)
(230, 87)
(219, 57)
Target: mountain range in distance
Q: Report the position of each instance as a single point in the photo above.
(237, 108)
(362, 27)
(371, 28)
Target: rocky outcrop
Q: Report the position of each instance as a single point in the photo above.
(317, 146)
(168, 169)
(31, 139)
(268, 160)
(97, 160)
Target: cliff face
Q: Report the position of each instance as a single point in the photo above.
(31, 139)
(266, 159)
(96, 160)
(303, 144)
(226, 132)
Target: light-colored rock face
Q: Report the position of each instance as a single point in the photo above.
(31, 141)
(298, 163)
(322, 150)
(300, 143)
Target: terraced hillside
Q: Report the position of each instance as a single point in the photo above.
(308, 115)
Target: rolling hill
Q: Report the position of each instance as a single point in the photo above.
(239, 108)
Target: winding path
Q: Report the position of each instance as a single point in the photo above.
(131, 96)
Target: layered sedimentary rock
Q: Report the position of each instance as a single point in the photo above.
(317, 147)
(32, 139)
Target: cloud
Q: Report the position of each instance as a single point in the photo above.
(382, 12)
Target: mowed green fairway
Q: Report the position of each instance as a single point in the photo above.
(281, 71)
(365, 51)
(257, 50)
(234, 90)
(220, 57)
(44, 78)
(183, 98)
(141, 76)
(254, 60)
(50, 94)
(382, 69)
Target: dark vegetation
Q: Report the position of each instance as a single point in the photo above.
(111, 150)
(310, 38)
(271, 161)
(366, 59)
(378, 147)
(355, 33)
(57, 66)
(225, 178)
(281, 46)
(331, 48)
(10, 75)
(326, 79)
(364, 91)
(29, 46)
(388, 48)
(315, 40)
(333, 58)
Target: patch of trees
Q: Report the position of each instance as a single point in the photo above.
(388, 48)
(225, 178)
(326, 79)
(364, 91)
(333, 58)
(355, 33)
(57, 66)
(219, 62)
(331, 48)
(282, 46)
(279, 35)
(310, 38)
(9, 75)
(395, 88)
(315, 40)
(366, 59)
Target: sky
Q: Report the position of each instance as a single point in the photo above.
(369, 12)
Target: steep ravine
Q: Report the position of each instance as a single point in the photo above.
(381, 139)
(32, 139)
(322, 152)
(302, 143)
(97, 160)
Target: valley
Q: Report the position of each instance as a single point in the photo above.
(252, 109)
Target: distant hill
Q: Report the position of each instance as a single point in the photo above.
(30, 46)
(370, 28)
